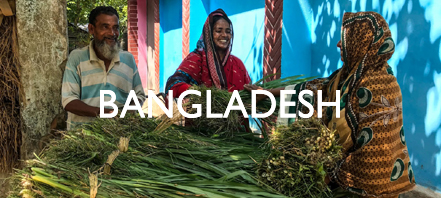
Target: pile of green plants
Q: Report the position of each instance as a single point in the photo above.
(219, 103)
(141, 157)
(303, 154)
(173, 163)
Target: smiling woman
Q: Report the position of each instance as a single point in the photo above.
(211, 63)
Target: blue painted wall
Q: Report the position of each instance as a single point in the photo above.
(198, 14)
(416, 29)
(170, 18)
(296, 41)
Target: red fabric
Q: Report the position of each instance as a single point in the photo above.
(179, 88)
(195, 65)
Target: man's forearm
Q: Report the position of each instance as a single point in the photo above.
(80, 108)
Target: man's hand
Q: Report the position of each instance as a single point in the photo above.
(80, 108)
(107, 111)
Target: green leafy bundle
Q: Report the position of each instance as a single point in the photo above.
(303, 154)
(220, 100)
(225, 127)
(174, 163)
(136, 157)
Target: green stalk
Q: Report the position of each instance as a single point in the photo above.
(56, 185)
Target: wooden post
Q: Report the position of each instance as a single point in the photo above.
(273, 38)
(185, 28)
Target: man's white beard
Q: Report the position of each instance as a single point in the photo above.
(108, 51)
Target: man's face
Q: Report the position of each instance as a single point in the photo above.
(106, 29)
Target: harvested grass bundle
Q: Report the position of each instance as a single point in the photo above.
(123, 144)
(265, 105)
(10, 133)
(302, 155)
(172, 163)
(93, 183)
(167, 122)
(180, 163)
(220, 100)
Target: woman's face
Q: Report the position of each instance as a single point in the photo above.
(221, 34)
(341, 50)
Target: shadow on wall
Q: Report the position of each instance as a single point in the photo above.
(170, 49)
(416, 30)
(248, 40)
(296, 41)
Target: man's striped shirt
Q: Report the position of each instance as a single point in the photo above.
(86, 75)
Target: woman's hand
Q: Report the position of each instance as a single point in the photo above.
(250, 87)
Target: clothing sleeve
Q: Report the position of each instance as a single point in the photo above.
(71, 80)
(179, 88)
(246, 76)
(187, 74)
(236, 73)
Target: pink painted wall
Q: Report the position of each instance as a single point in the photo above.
(142, 44)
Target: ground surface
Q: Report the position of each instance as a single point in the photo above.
(421, 192)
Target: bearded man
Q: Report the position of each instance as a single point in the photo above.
(100, 66)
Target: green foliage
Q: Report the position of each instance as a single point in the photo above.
(220, 100)
(174, 163)
(209, 127)
(78, 11)
(130, 157)
(303, 154)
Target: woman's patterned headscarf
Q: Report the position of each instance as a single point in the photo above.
(366, 40)
(377, 162)
(367, 45)
(206, 44)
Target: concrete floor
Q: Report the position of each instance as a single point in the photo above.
(421, 192)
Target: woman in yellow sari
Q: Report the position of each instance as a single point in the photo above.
(371, 123)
